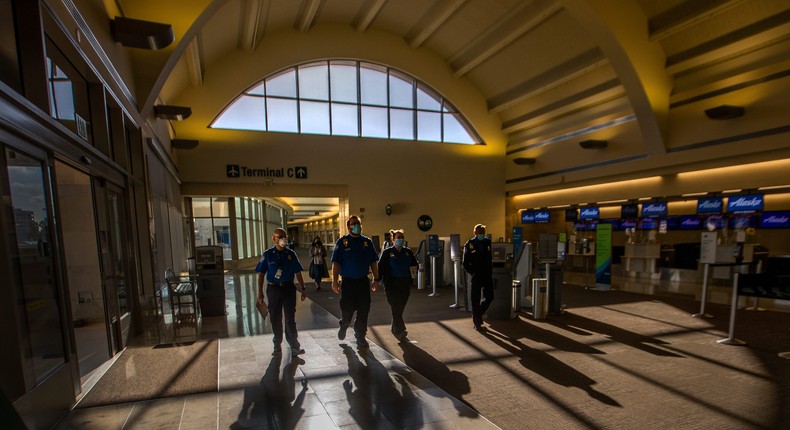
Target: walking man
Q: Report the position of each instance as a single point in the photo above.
(478, 263)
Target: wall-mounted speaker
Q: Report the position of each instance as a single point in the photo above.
(173, 113)
(184, 143)
(135, 33)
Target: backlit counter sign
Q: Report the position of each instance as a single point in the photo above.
(711, 205)
(527, 217)
(648, 223)
(589, 213)
(629, 211)
(690, 222)
(628, 224)
(654, 209)
(542, 216)
(776, 219)
(571, 215)
(749, 203)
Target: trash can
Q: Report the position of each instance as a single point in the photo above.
(210, 269)
(501, 307)
(421, 277)
(539, 302)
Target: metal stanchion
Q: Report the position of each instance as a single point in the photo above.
(456, 282)
(433, 277)
(731, 340)
(702, 313)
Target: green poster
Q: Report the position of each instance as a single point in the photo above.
(603, 257)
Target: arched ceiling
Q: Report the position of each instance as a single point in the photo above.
(545, 68)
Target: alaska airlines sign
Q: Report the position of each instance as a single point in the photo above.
(654, 209)
(238, 171)
(530, 217)
(709, 206)
(589, 213)
(750, 203)
(777, 219)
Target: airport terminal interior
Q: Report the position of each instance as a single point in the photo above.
(628, 158)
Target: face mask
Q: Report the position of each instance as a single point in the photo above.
(283, 242)
(480, 236)
(398, 242)
(356, 229)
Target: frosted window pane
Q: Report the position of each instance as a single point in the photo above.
(282, 115)
(401, 94)
(314, 117)
(283, 85)
(219, 208)
(344, 120)
(246, 113)
(64, 100)
(258, 90)
(344, 83)
(429, 126)
(427, 102)
(373, 85)
(314, 82)
(374, 122)
(454, 131)
(401, 124)
(201, 207)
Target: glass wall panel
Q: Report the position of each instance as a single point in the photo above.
(201, 207)
(219, 207)
(203, 230)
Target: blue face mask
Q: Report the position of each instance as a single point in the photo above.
(356, 229)
(399, 242)
(480, 236)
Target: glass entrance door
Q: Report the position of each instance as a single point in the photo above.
(40, 373)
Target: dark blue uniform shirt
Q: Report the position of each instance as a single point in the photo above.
(355, 255)
(477, 257)
(396, 264)
(285, 260)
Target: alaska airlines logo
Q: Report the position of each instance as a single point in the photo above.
(709, 205)
(691, 222)
(658, 208)
(542, 216)
(746, 202)
(589, 212)
(237, 171)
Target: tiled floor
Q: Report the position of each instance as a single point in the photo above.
(333, 385)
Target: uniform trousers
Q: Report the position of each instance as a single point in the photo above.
(282, 302)
(355, 297)
(479, 307)
(398, 290)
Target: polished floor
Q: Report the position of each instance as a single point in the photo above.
(633, 357)
(334, 384)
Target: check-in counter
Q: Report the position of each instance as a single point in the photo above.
(641, 258)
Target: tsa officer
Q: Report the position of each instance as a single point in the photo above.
(278, 266)
(353, 258)
(478, 263)
(395, 266)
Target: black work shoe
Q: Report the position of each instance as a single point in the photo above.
(362, 343)
(341, 334)
(297, 351)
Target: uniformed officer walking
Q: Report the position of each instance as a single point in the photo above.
(395, 266)
(353, 258)
(478, 263)
(278, 266)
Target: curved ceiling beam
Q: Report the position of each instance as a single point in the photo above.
(183, 44)
(621, 30)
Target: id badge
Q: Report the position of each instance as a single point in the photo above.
(278, 274)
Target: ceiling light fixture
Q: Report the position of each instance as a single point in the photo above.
(184, 143)
(593, 144)
(135, 33)
(174, 113)
(724, 112)
(524, 161)
(694, 194)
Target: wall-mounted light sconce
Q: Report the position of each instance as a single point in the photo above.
(524, 161)
(725, 112)
(135, 33)
(593, 144)
(184, 143)
(174, 113)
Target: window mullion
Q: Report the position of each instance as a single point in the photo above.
(298, 102)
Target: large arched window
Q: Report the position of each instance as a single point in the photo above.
(347, 98)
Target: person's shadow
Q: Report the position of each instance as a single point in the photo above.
(549, 367)
(274, 402)
(453, 382)
(373, 396)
